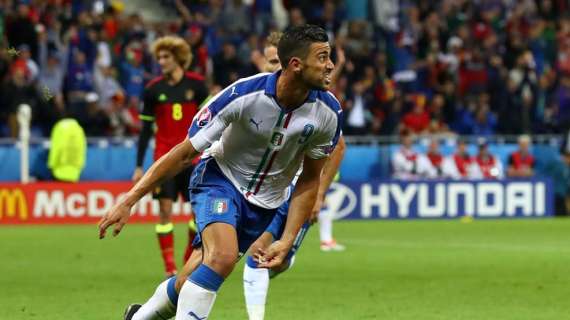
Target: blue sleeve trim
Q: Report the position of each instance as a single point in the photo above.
(223, 99)
(330, 101)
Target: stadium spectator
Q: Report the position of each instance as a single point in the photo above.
(21, 30)
(521, 162)
(460, 165)
(405, 160)
(514, 54)
(357, 107)
(487, 165)
(227, 67)
(430, 165)
(67, 151)
(418, 119)
(92, 117)
(16, 91)
(25, 55)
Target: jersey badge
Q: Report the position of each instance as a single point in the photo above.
(162, 97)
(220, 206)
(189, 94)
(204, 117)
(277, 139)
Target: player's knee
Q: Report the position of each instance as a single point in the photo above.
(221, 260)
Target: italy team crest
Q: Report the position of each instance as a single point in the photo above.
(220, 206)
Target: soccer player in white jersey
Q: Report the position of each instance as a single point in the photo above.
(263, 127)
(256, 280)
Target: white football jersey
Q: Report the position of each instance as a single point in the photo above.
(258, 146)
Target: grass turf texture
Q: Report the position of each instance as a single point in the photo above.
(494, 269)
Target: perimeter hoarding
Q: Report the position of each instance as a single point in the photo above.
(86, 202)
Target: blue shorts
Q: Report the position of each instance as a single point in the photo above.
(215, 199)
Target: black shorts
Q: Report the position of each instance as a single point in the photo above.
(170, 188)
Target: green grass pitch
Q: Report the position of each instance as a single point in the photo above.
(494, 269)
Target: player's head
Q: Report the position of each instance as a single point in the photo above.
(524, 143)
(305, 51)
(433, 147)
(406, 138)
(462, 146)
(171, 52)
(272, 62)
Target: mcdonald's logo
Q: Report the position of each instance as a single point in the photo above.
(13, 204)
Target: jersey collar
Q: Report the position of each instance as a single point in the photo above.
(271, 88)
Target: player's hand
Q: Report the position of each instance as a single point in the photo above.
(314, 217)
(118, 216)
(273, 256)
(137, 175)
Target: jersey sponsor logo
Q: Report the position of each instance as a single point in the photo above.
(251, 120)
(162, 97)
(233, 92)
(13, 204)
(220, 206)
(204, 117)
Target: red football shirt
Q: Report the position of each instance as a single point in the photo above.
(172, 107)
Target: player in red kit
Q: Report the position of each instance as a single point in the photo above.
(521, 162)
(170, 102)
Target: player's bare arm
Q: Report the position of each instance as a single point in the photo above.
(176, 160)
(302, 202)
(329, 171)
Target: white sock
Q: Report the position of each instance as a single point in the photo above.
(158, 307)
(194, 302)
(325, 226)
(255, 287)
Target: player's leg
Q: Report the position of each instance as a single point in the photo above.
(182, 183)
(162, 304)
(166, 194)
(328, 243)
(220, 253)
(256, 280)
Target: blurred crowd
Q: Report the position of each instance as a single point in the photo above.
(427, 67)
(408, 164)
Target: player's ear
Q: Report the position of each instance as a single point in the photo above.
(295, 64)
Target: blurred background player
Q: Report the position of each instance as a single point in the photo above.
(405, 160)
(521, 162)
(461, 164)
(256, 280)
(487, 165)
(67, 151)
(430, 165)
(171, 101)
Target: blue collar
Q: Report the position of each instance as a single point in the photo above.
(271, 88)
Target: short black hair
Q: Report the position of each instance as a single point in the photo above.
(296, 41)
